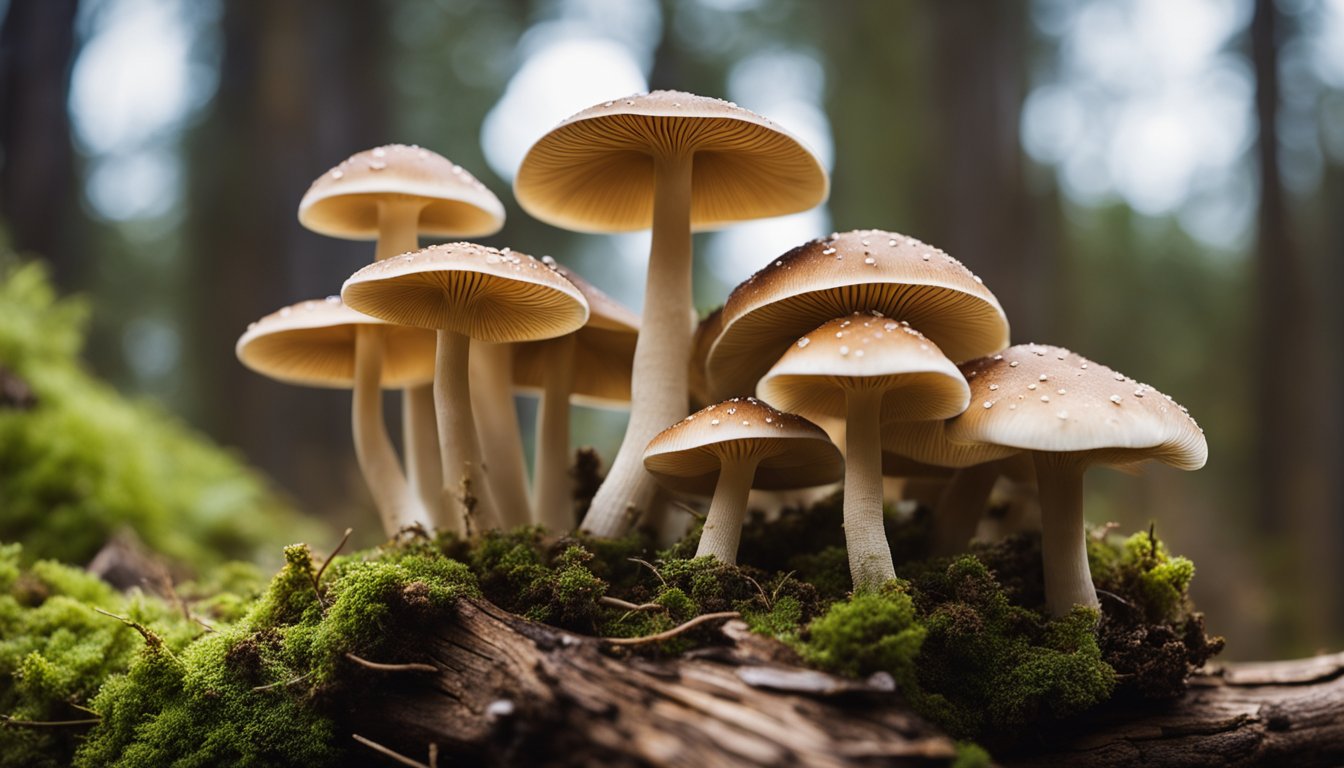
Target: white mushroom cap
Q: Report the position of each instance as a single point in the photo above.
(312, 343)
(869, 352)
(1041, 398)
(594, 171)
(793, 452)
(344, 201)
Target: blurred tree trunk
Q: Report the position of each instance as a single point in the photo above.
(1294, 499)
(301, 87)
(37, 168)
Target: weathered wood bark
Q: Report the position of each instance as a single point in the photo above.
(512, 692)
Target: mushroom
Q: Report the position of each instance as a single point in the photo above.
(627, 164)
(591, 366)
(1071, 413)
(316, 344)
(466, 291)
(491, 371)
(856, 271)
(869, 370)
(706, 333)
(731, 447)
(393, 194)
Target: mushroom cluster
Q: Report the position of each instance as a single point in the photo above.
(886, 354)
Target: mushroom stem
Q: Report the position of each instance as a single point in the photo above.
(960, 507)
(723, 525)
(870, 564)
(497, 425)
(1068, 580)
(398, 222)
(420, 440)
(552, 492)
(373, 448)
(658, 386)
(468, 503)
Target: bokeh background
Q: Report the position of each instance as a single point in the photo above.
(1157, 184)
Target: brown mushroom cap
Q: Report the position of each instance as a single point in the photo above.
(863, 351)
(604, 349)
(706, 333)
(312, 344)
(1042, 398)
(862, 270)
(594, 171)
(487, 294)
(926, 443)
(344, 201)
(794, 452)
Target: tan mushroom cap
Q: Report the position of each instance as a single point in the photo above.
(862, 270)
(343, 202)
(706, 333)
(927, 443)
(604, 349)
(793, 452)
(594, 171)
(487, 294)
(312, 344)
(866, 351)
(1042, 398)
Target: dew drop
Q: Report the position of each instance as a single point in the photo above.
(333, 299)
(844, 350)
(1115, 399)
(714, 422)
(1063, 414)
(1045, 398)
(1013, 364)
(1060, 391)
(1031, 386)
(993, 387)
(989, 404)
(803, 342)
(337, 173)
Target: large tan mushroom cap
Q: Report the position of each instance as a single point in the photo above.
(793, 452)
(480, 292)
(312, 344)
(864, 351)
(604, 349)
(344, 201)
(862, 270)
(926, 443)
(594, 171)
(1042, 398)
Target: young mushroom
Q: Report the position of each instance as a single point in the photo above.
(394, 194)
(869, 370)
(729, 448)
(316, 344)
(678, 162)
(1071, 413)
(466, 291)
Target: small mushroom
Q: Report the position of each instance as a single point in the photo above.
(729, 448)
(466, 291)
(677, 162)
(1071, 413)
(317, 344)
(869, 370)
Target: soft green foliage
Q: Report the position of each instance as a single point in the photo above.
(83, 462)
(872, 631)
(971, 755)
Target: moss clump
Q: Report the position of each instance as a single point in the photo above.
(871, 632)
(79, 461)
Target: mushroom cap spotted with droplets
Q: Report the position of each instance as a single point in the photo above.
(312, 344)
(793, 452)
(594, 171)
(1042, 398)
(344, 201)
(604, 349)
(862, 270)
(863, 351)
(487, 294)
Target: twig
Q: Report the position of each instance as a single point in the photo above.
(650, 566)
(49, 723)
(391, 667)
(285, 683)
(1116, 598)
(400, 758)
(673, 632)
(688, 509)
(207, 625)
(317, 577)
(150, 637)
(616, 602)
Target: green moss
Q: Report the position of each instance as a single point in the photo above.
(971, 755)
(871, 632)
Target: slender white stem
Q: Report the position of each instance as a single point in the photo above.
(398, 227)
(658, 386)
(1068, 580)
(468, 503)
(497, 424)
(553, 489)
(420, 446)
(870, 563)
(723, 525)
(373, 448)
(960, 508)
